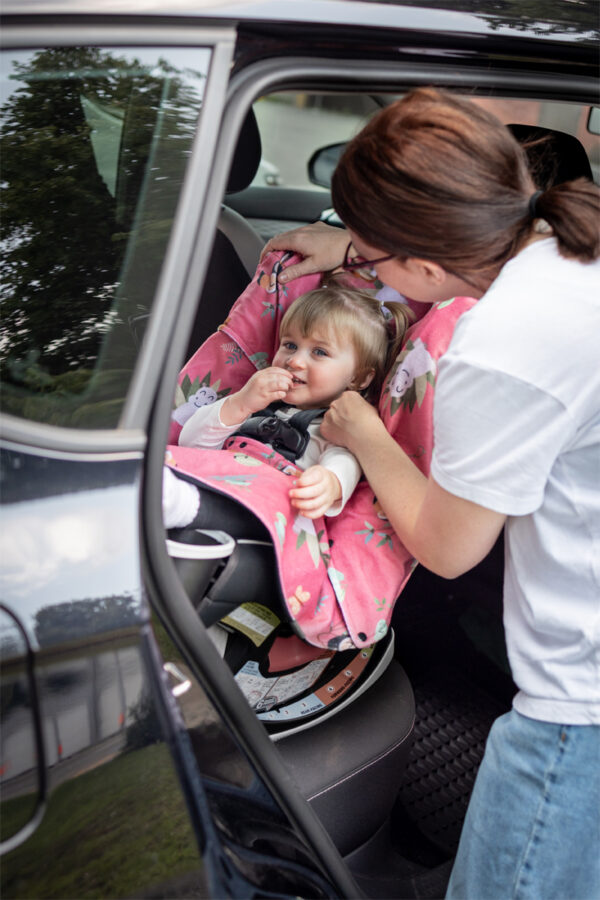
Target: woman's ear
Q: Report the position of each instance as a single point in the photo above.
(431, 271)
(364, 382)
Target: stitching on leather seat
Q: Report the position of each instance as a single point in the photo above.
(363, 767)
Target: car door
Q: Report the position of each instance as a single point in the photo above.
(107, 788)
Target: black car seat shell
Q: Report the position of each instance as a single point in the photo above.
(359, 746)
(361, 750)
(350, 768)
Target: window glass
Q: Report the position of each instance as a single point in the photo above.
(94, 145)
(308, 122)
(305, 122)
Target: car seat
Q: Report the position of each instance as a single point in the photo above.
(357, 745)
(343, 734)
(356, 748)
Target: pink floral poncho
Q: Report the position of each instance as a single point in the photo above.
(340, 576)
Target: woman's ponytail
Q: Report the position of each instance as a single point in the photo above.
(572, 209)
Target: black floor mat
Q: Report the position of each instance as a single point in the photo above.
(449, 638)
(452, 723)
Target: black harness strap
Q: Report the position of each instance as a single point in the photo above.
(289, 437)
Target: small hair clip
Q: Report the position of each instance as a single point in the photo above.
(541, 226)
(391, 325)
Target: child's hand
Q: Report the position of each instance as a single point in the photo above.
(264, 387)
(316, 490)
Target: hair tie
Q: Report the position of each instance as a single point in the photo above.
(533, 203)
(389, 321)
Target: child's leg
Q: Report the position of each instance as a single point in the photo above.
(180, 500)
(186, 506)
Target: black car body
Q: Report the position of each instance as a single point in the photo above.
(132, 766)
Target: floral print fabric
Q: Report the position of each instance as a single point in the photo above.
(341, 576)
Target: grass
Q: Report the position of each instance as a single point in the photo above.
(111, 832)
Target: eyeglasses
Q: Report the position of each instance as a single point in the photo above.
(352, 265)
(364, 267)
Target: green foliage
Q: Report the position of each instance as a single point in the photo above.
(144, 727)
(58, 217)
(110, 832)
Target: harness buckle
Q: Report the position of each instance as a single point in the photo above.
(281, 435)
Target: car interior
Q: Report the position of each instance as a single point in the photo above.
(408, 739)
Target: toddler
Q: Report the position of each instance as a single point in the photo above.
(332, 339)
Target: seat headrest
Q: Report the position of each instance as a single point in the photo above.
(247, 156)
(554, 156)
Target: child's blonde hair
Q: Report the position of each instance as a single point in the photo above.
(375, 331)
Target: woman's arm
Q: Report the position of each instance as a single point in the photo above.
(445, 533)
(321, 245)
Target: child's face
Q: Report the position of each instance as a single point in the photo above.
(322, 366)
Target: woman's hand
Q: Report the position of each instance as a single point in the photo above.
(351, 422)
(264, 387)
(316, 490)
(445, 533)
(321, 245)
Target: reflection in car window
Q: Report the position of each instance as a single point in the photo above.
(94, 147)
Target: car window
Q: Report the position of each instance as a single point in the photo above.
(304, 122)
(308, 122)
(94, 147)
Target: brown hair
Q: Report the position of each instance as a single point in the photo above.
(437, 177)
(358, 316)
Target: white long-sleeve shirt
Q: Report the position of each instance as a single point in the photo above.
(206, 430)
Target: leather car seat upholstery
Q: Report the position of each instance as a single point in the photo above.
(554, 156)
(237, 245)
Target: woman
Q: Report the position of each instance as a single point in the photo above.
(437, 197)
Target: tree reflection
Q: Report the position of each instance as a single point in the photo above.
(79, 133)
(81, 619)
(538, 16)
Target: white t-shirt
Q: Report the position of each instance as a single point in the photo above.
(517, 430)
(205, 429)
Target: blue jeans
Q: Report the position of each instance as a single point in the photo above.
(532, 829)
